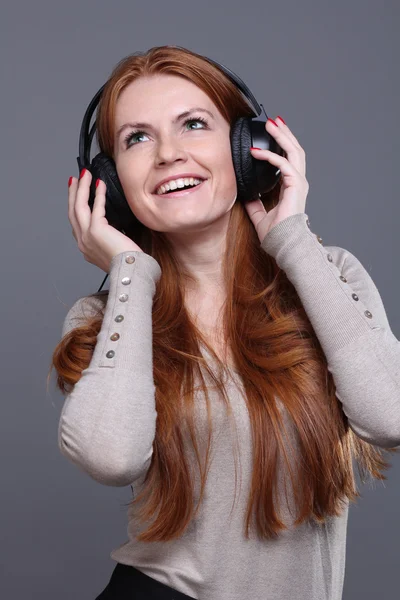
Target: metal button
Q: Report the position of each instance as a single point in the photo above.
(119, 318)
(368, 314)
(114, 337)
(126, 280)
(329, 257)
(130, 259)
(354, 296)
(110, 354)
(319, 239)
(123, 297)
(308, 223)
(343, 278)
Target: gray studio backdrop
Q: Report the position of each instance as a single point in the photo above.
(331, 71)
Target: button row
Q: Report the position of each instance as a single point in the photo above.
(367, 313)
(130, 259)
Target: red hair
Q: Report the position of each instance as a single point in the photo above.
(274, 345)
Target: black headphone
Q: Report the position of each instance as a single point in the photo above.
(253, 177)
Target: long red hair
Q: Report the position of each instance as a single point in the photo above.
(274, 345)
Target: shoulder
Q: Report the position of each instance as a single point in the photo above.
(84, 308)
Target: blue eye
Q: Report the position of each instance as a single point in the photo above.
(132, 134)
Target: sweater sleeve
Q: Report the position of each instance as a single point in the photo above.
(349, 319)
(107, 424)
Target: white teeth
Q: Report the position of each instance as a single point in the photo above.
(173, 184)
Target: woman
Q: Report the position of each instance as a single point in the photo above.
(229, 332)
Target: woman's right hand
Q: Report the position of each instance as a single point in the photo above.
(97, 240)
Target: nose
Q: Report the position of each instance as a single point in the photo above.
(169, 150)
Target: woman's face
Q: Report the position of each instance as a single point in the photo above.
(168, 147)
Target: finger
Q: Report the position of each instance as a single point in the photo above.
(284, 128)
(81, 203)
(286, 167)
(99, 205)
(255, 205)
(291, 166)
(283, 134)
(294, 153)
(256, 210)
(72, 189)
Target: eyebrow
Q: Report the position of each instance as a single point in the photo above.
(142, 125)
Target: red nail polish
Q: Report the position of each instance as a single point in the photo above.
(69, 181)
(278, 117)
(254, 148)
(276, 124)
(82, 173)
(97, 182)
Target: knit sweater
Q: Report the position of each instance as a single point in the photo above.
(108, 423)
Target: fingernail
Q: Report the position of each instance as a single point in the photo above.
(276, 124)
(69, 181)
(255, 148)
(278, 117)
(97, 182)
(82, 173)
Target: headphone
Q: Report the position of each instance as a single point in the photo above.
(253, 177)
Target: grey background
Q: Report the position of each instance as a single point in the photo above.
(331, 71)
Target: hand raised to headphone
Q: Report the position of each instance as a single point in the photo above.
(294, 188)
(98, 241)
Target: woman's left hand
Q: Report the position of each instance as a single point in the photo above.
(294, 189)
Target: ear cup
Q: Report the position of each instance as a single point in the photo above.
(118, 211)
(240, 136)
(253, 176)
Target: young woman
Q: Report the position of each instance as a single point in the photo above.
(235, 367)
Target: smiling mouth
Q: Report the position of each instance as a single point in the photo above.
(178, 193)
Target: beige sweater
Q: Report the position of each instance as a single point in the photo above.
(108, 423)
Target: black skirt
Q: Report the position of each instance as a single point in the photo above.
(127, 583)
